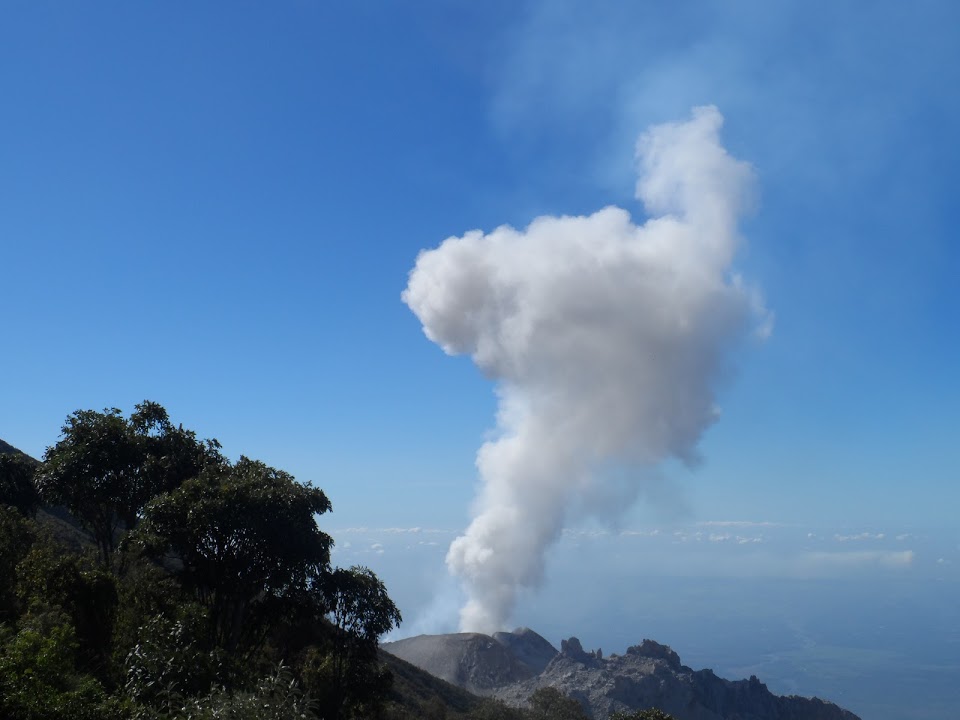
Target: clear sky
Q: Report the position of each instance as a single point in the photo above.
(216, 206)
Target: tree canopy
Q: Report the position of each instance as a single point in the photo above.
(245, 536)
(105, 468)
(356, 602)
(548, 703)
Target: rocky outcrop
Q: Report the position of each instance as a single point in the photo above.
(574, 650)
(655, 651)
(512, 666)
(651, 675)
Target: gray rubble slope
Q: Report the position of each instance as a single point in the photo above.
(651, 675)
(512, 666)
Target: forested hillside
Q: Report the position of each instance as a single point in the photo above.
(144, 575)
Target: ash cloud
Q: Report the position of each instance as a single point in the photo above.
(606, 339)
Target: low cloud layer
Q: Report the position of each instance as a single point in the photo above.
(607, 340)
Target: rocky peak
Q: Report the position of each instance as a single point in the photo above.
(573, 650)
(656, 651)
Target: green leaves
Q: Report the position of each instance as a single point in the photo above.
(106, 468)
(548, 703)
(224, 571)
(346, 672)
(39, 679)
(168, 663)
(244, 535)
(48, 578)
(359, 605)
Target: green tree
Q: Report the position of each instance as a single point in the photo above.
(223, 572)
(145, 591)
(16, 483)
(548, 703)
(346, 672)
(275, 697)
(168, 663)
(39, 679)
(359, 606)
(491, 709)
(106, 468)
(50, 579)
(246, 541)
(16, 538)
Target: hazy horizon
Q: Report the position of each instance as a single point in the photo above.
(847, 616)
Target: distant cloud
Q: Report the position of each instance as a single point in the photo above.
(578, 533)
(735, 539)
(377, 548)
(861, 536)
(640, 533)
(856, 559)
(740, 523)
(391, 531)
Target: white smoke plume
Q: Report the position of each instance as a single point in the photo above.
(606, 339)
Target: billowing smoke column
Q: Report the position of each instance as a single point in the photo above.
(606, 339)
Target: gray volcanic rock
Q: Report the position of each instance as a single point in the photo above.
(651, 675)
(529, 648)
(574, 650)
(512, 666)
(476, 662)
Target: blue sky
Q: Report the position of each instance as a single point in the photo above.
(216, 207)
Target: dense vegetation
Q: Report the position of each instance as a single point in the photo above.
(144, 576)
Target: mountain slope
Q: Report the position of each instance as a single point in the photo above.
(476, 662)
(510, 667)
(529, 648)
(415, 689)
(8, 449)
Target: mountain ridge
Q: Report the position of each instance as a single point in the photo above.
(510, 667)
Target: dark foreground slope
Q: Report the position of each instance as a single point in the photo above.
(511, 667)
(8, 449)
